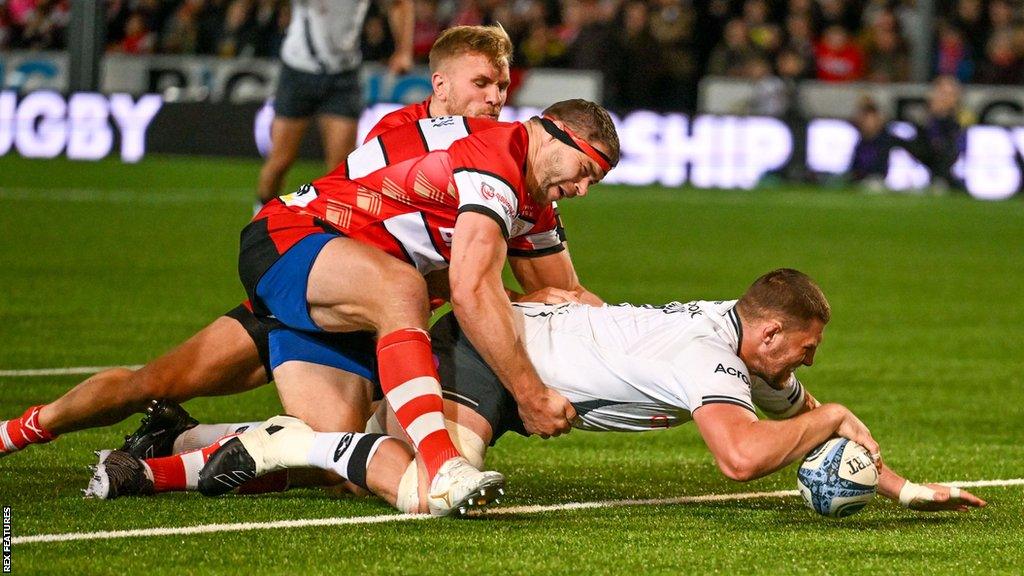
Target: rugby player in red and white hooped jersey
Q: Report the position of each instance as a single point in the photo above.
(347, 252)
(470, 76)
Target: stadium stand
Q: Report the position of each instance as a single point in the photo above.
(976, 41)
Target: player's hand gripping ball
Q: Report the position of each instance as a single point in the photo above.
(837, 478)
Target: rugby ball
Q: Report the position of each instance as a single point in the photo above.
(837, 478)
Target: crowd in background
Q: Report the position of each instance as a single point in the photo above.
(652, 53)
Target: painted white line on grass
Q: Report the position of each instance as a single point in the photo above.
(128, 195)
(62, 371)
(382, 518)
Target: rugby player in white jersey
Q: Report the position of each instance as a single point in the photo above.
(624, 368)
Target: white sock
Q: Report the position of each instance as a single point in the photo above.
(203, 435)
(347, 454)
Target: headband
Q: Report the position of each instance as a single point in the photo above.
(567, 137)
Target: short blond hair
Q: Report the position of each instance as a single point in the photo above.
(491, 41)
(788, 293)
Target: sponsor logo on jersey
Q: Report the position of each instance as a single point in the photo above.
(733, 372)
(442, 121)
(489, 193)
(301, 197)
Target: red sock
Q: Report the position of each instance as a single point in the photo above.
(410, 383)
(20, 432)
(180, 472)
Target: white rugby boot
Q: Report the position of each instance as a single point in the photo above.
(459, 489)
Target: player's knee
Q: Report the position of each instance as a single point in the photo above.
(469, 443)
(405, 301)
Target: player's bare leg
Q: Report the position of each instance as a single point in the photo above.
(338, 135)
(353, 286)
(285, 135)
(221, 359)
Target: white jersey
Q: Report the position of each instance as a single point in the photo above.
(633, 368)
(323, 36)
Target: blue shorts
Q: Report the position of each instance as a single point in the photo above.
(354, 352)
(282, 289)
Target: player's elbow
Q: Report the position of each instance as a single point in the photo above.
(738, 471)
(738, 466)
(466, 296)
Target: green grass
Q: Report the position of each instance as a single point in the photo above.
(105, 264)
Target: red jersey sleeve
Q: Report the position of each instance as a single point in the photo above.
(404, 115)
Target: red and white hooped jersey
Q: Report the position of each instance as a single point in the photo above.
(403, 190)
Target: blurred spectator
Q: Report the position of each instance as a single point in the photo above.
(940, 138)
(6, 29)
(885, 50)
(180, 33)
(837, 57)
(800, 34)
(636, 86)
(672, 24)
(771, 97)
(1001, 14)
(426, 29)
(137, 39)
(1003, 63)
(841, 13)
(269, 29)
(589, 36)
(730, 55)
(764, 35)
(237, 36)
(952, 55)
(45, 24)
(210, 23)
(969, 17)
(377, 43)
(870, 162)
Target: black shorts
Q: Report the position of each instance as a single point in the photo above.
(301, 94)
(258, 331)
(468, 380)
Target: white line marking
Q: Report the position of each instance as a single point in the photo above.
(62, 371)
(382, 518)
(128, 195)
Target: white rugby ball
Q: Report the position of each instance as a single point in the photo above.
(837, 478)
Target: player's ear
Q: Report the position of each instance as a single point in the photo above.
(439, 83)
(770, 330)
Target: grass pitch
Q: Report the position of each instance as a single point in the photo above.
(109, 264)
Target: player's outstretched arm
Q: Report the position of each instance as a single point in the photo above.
(485, 314)
(746, 448)
(925, 498)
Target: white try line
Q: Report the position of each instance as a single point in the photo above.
(61, 371)
(383, 518)
(128, 195)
